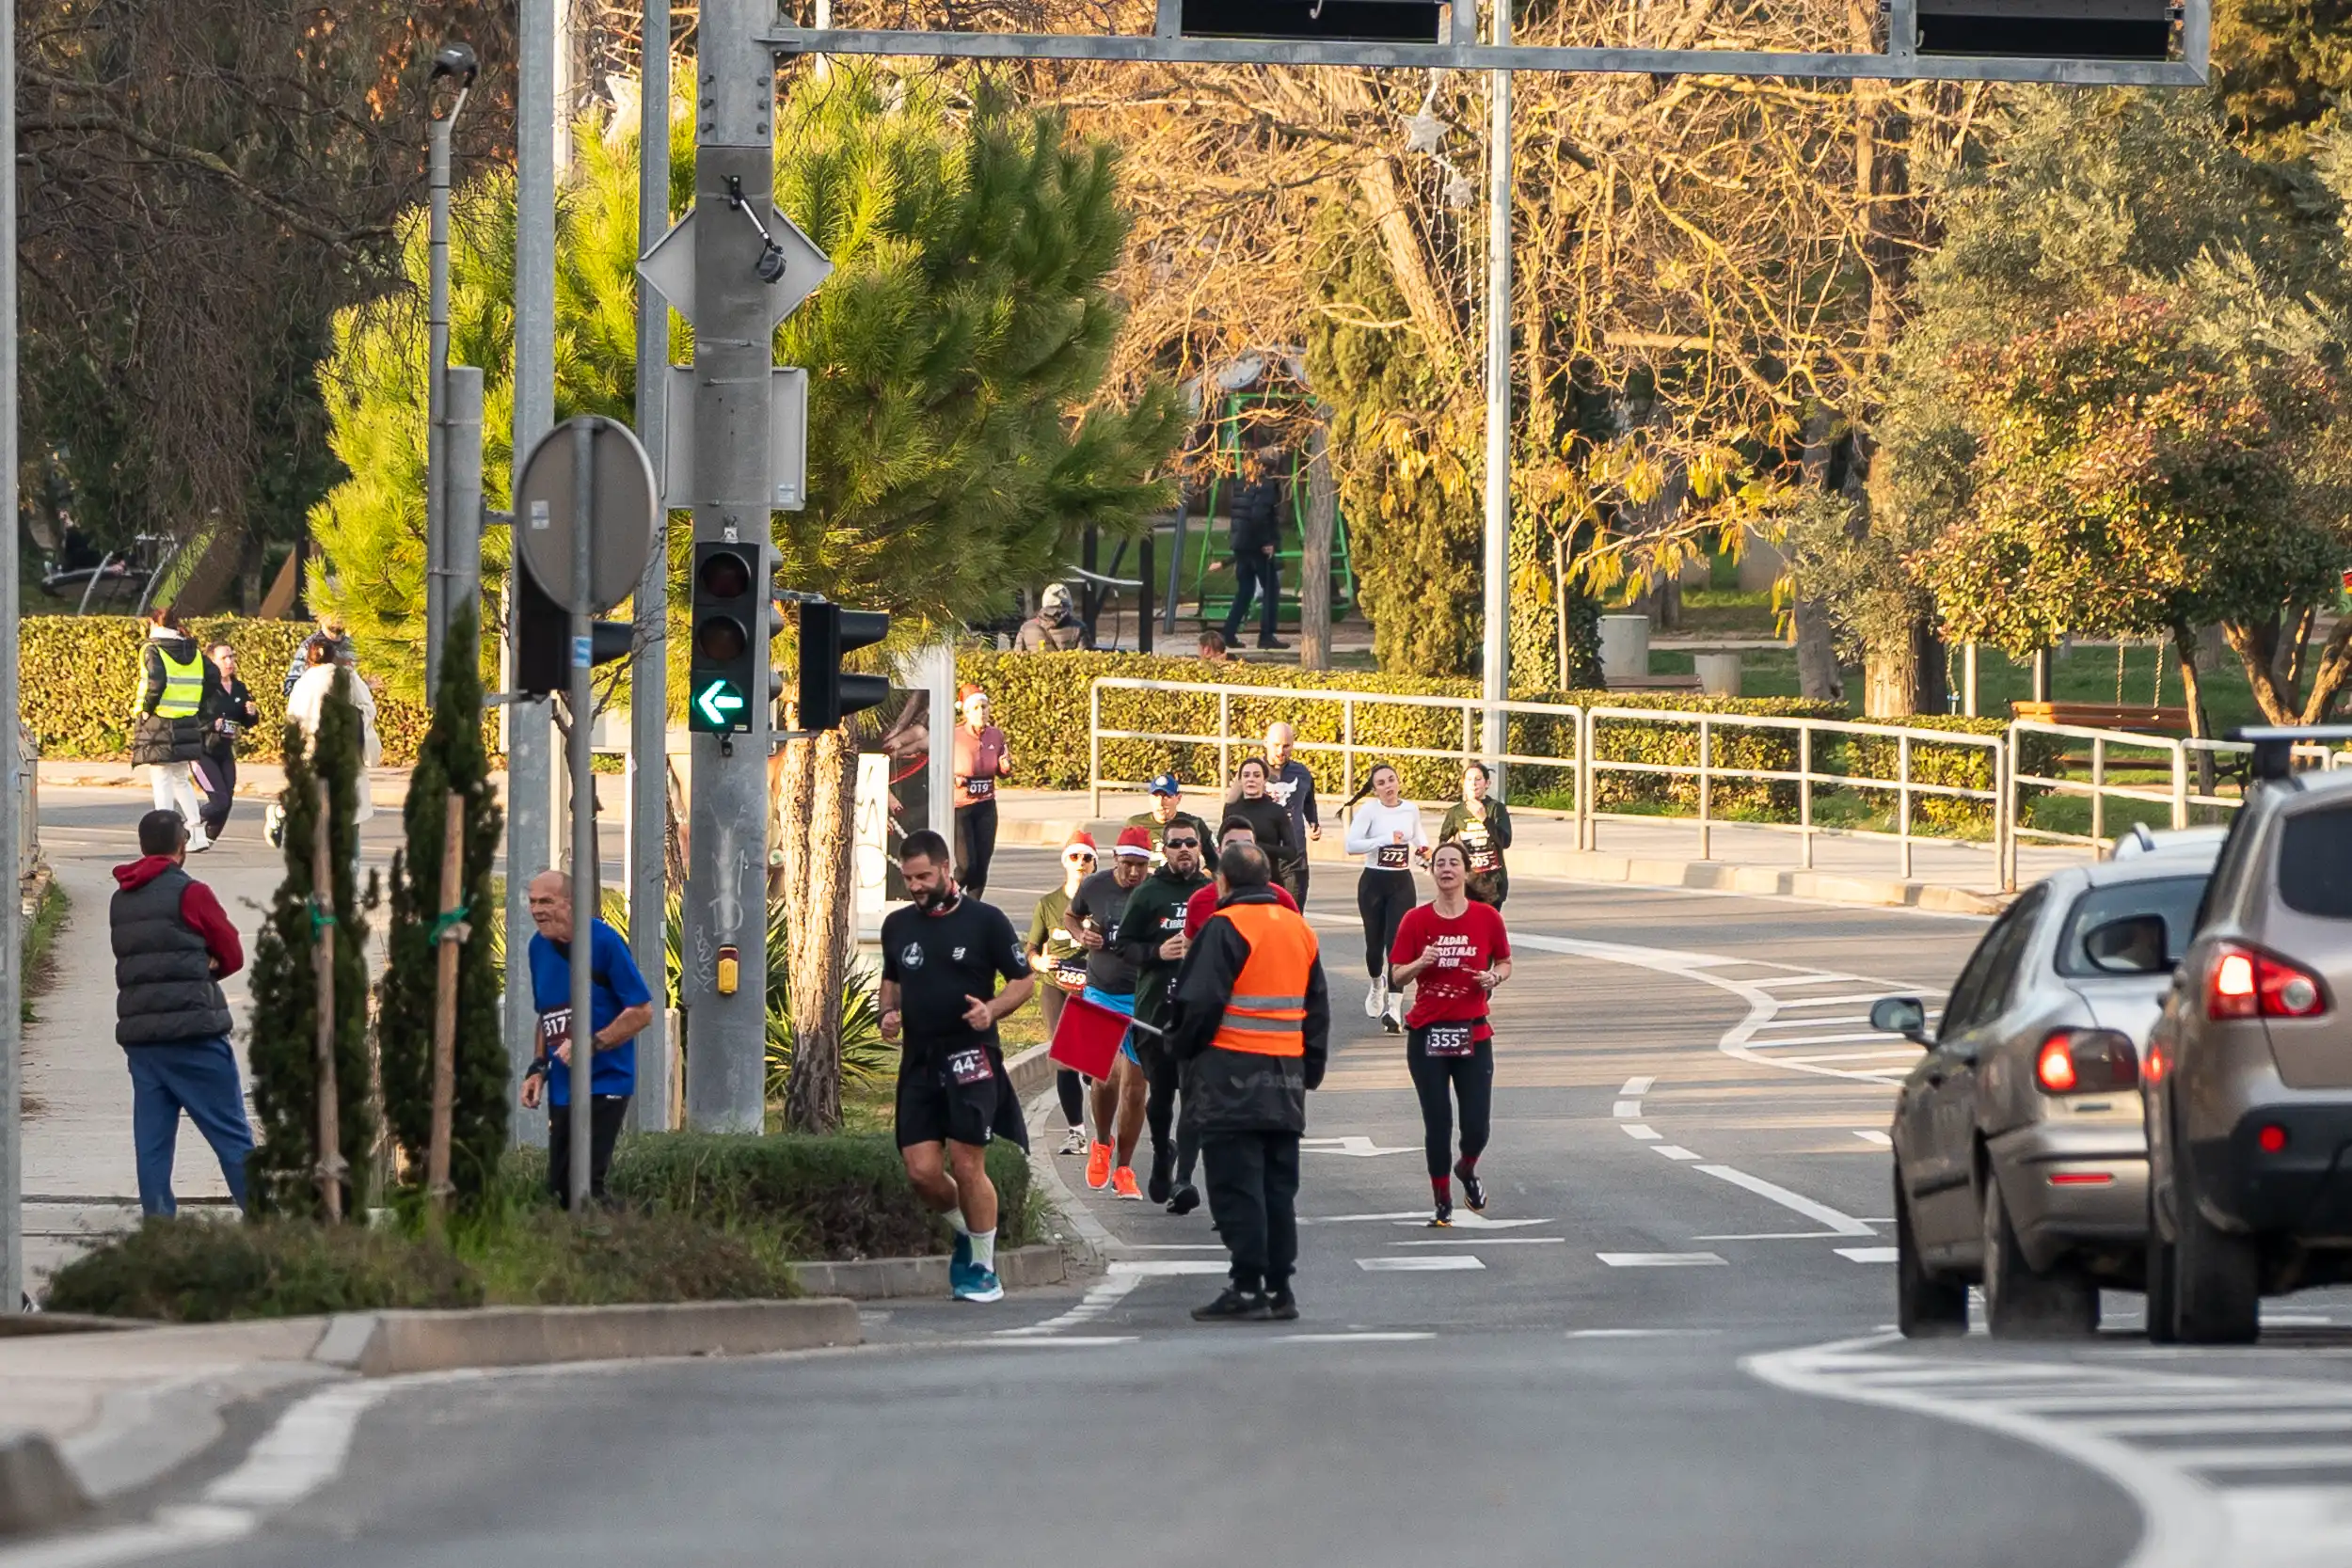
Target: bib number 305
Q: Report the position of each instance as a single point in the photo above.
(1448, 1040)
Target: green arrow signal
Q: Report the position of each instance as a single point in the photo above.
(718, 701)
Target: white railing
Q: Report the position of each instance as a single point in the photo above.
(2186, 765)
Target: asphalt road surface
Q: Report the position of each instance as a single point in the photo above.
(1665, 1344)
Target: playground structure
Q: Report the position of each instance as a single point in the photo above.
(1211, 562)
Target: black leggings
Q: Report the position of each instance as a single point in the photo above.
(1163, 1075)
(1472, 1078)
(1382, 897)
(975, 846)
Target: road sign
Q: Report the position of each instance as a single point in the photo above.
(719, 702)
(669, 266)
(623, 498)
(787, 439)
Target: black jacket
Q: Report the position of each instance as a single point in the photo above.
(1277, 835)
(1155, 911)
(1238, 1091)
(235, 706)
(165, 988)
(1257, 516)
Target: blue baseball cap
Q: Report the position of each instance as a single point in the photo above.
(1165, 785)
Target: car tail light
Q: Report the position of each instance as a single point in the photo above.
(2245, 982)
(2082, 1178)
(2272, 1139)
(2086, 1061)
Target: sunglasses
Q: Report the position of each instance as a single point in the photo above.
(1078, 856)
(1180, 843)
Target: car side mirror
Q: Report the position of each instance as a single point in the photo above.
(2134, 944)
(1906, 1016)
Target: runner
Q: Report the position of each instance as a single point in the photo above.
(1151, 937)
(942, 957)
(1290, 782)
(1092, 919)
(1387, 831)
(1482, 827)
(1270, 821)
(1235, 829)
(1168, 808)
(1456, 953)
(982, 760)
(1055, 955)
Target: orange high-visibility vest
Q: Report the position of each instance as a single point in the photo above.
(1267, 1014)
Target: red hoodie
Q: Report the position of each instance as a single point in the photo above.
(198, 907)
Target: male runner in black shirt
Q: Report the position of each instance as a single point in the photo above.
(940, 961)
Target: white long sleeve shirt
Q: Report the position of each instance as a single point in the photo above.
(1385, 836)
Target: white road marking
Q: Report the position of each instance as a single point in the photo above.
(1637, 1086)
(1659, 1260)
(1873, 1135)
(1354, 1145)
(2257, 1422)
(1377, 1336)
(1626, 1110)
(1469, 1220)
(1060, 1341)
(1844, 1037)
(1842, 1222)
(1866, 1254)
(1772, 1236)
(1451, 1262)
(1674, 1151)
(1638, 1332)
(302, 1452)
(1641, 1131)
(1903, 1053)
(1496, 1241)
(1114, 1288)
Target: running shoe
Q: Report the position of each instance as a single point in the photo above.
(1444, 1217)
(1076, 1142)
(1473, 1190)
(1099, 1167)
(1162, 1174)
(959, 1260)
(1233, 1306)
(1282, 1307)
(979, 1284)
(1123, 1184)
(1392, 1016)
(1185, 1199)
(1376, 997)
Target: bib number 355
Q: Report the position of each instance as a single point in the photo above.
(1448, 1040)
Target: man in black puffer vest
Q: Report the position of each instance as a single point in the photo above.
(173, 946)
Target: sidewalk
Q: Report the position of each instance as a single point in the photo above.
(1944, 876)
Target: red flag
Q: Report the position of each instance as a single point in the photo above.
(1087, 1037)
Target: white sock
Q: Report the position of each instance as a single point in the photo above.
(984, 1248)
(954, 1218)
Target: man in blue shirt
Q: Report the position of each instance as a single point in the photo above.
(622, 1006)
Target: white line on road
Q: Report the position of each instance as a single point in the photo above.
(1639, 1332)
(1378, 1337)
(1866, 1254)
(1495, 1240)
(1452, 1262)
(1659, 1260)
(1838, 1220)
(1637, 1086)
(1107, 1292)
(1626, 1110)
(1773, 1236)
(1674, 1151)
(1641, 1131)
(1873, 1135)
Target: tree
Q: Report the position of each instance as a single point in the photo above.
(451, 759)
(283, 1050)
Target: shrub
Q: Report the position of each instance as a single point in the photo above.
(1964, 767)
(541, 1257)
(839, 1196)
(192, 1269)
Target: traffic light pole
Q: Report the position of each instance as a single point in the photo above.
(734, 354)
(587, 874)
(649, 692)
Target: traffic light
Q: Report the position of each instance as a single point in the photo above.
(729, 653)
(2048, 29)
(544, 635)
(827, 632)
(1320, 20)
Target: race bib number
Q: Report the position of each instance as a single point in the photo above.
(1485, 859)
(970, 1067)
(1393, 857)
(555, 1030)
(1071, 975)
(979, 789)
(1447, 1039)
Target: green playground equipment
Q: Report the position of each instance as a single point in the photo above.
(1211, 561)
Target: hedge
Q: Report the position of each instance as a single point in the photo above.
(1964, 767)
(78, 676)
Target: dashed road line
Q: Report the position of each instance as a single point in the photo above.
(1661, 1260)
(1108, 1291)
(1444, 1262)
(1640, 1132)
(1836, 1220)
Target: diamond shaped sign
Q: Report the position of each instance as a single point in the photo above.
(669, 266)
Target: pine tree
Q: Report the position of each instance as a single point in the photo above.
(451, 758)
(283, 1050)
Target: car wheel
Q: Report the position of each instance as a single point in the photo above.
(2021, 1303)
(2164, 1270)
(1926, 1308)
(2217, 1281)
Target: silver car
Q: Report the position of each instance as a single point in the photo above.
(2019, 1158)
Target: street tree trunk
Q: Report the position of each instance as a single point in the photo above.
(1904, 675)
(819, 933)
(1314, 555)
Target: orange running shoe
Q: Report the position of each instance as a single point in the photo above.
(1099, 1167)
(1123, 1182)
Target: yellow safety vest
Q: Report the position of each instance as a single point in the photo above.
(184, 686)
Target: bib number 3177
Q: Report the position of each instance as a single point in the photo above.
(1447, 1039)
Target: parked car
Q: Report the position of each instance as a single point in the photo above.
(2247, 1086)
(2143, 840)
(2020, 1160)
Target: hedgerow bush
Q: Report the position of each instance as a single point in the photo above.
(195, 1270)
(1962, 766)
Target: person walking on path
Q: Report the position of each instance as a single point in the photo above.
(1453, 952)
(1056, 954)
(1092, 918)
(1482, 827)
(1289, 781)
(620, 1008)
(177, 688)
(1252, 1023)
(234, 712)
(173, 946)
(942, 956)
(1151, 937)
(1257, 537)
(982, 759)
(1168, 809)
(1054, 628)
(1387, 831)
(1270, 821)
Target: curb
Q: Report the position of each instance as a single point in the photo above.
(36, 1489)
(389, 1344)
(885, 1278)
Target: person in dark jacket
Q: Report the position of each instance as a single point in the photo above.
(173, 946)
(1054, 628)
(178, 688)
(331, 636)
(235, 713)
(1257, 536)
(1482, 827)
(1252, 1021)
(1151, 937)
(1270, 823)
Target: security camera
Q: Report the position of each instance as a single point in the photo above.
(456, 59)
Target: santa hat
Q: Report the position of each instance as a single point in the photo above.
(963, 698)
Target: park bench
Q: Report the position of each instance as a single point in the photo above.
(2105, 716)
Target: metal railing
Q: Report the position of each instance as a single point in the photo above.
(2190, 767)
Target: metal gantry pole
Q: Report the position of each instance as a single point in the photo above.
(587, 882)
(437, 551)
(461, 526)
(734, 148)
(1495, 660)
(12, 763)
(649, 691)
(529, 781)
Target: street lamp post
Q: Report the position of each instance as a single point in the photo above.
(1495, 657)
(453, 61)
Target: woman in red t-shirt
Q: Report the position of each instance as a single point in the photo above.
(1454, 953)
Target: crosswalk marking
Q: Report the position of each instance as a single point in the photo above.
(1660, 1260)
(1865, 1253)
(1435, 1262)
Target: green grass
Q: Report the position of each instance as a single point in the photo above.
(40, 942)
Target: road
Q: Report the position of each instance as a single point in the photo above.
(1663, 1345)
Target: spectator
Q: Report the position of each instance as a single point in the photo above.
(330, 636)
(178, 687)
(1167, 803)
(1212, 646)
(1055, 627)
(1257, 535)
(235, 713)
(621, 1006)
(173, 946)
